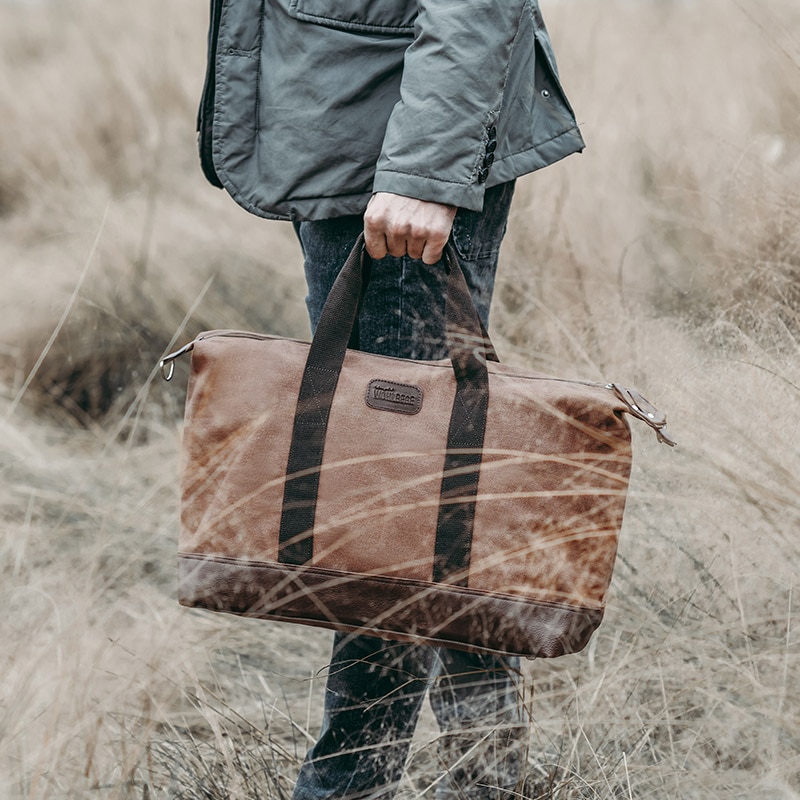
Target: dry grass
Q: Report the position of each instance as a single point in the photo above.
(667, 256)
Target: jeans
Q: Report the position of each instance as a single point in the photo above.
(375, 688)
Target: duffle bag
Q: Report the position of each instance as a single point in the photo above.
(458, 502)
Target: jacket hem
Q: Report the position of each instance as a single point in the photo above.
(542, 155)
(435, 190)
(298, 210)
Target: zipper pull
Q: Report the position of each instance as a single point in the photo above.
(167, 364)
(644, 410)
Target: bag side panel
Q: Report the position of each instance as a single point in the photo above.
(552, 491)
(239, 415)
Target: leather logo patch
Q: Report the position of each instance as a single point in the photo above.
(402, 398)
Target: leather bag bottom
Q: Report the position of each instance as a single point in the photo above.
(391, 608)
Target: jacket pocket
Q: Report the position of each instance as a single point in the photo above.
(478, 234)
(548, 83)
(367, 16)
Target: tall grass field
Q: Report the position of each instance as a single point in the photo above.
(665, 257)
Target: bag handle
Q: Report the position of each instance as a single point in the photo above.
(468, 340)
(469, 348)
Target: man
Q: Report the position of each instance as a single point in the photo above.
(409, 120)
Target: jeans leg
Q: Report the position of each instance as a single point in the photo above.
(373, 697)
(477, 704)
(375, 688)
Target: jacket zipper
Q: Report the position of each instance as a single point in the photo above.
(205, 113)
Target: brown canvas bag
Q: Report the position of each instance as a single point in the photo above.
(458, 502)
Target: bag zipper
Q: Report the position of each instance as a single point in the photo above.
(636, 405)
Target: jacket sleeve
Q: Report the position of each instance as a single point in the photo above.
(441, 136)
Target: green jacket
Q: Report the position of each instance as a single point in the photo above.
(310, 106)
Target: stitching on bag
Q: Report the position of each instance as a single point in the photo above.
(322, 419)
(463, 419)
(380, 579)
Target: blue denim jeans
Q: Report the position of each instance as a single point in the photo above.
(375, 688)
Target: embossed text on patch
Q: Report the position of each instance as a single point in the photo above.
(402, 398)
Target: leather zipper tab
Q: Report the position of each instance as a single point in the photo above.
(644, 410)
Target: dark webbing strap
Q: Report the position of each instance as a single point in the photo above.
(459, 488)
(321, 374)
(469, 347)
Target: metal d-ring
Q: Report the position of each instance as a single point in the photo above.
(167, 368)
(167, 364)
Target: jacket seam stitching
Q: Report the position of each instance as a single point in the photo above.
(366, 27)
(341, 24)
(257, 112)
(539, 144)
(494, 114)
(424, 177)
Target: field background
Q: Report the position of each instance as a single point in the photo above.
(666, 257)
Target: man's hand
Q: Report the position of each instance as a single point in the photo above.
(395, 225)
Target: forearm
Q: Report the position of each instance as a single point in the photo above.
(441, 135)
